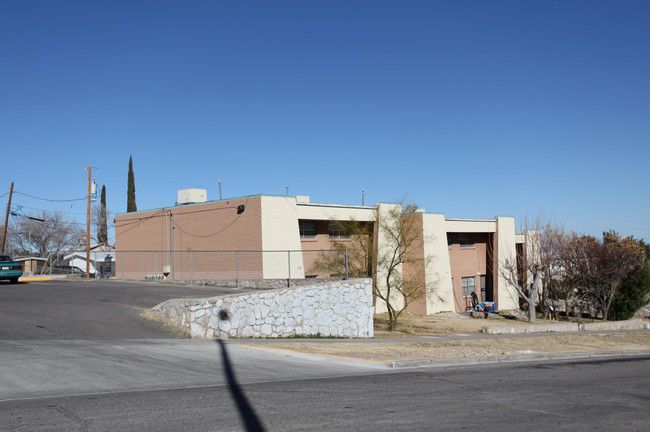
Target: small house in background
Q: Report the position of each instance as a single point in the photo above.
(32, 266)
(102, 260)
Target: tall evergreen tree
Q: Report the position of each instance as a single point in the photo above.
(102, 230)
(130, 190)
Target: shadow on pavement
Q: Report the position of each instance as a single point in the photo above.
(246, 412)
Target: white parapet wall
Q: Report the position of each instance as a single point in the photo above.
(340, 308)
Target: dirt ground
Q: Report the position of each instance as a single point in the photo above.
(392, 347)
(440, 349)
(445, 323)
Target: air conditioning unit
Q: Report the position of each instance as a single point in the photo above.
(192, 196)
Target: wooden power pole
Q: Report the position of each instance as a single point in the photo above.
(88, 230)
(4, 229)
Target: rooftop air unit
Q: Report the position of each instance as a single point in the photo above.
(192, 196)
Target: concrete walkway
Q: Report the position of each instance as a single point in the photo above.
(35, 369)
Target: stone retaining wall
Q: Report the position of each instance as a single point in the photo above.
(339, 308)
(247, 283)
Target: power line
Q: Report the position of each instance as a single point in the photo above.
(59, 211)
(28, 217)
(20, 208)
(51, 200)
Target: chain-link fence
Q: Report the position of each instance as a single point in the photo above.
(71, 264)
(195, 265)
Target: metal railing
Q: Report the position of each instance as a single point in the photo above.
(237, 265)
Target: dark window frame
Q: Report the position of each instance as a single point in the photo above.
(307, 229)
(466, 287)
(466, 240)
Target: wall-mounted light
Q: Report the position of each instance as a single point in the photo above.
(241, 208)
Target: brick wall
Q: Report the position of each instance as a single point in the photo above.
(214, 226)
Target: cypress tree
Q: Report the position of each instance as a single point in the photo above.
(130, 190)
(102, 231)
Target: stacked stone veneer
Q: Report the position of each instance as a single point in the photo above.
(341, 308)
(247, 283)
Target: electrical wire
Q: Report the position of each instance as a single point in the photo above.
(51, 200)
(58, 211)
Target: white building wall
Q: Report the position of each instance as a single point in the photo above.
(470, 226)
(533, 256)
(280, 233)
(440, 292)
(334, 212)
(507, 297)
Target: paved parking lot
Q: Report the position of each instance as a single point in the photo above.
(91, 310)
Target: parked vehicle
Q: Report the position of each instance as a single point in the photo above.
(10, 269)
(70, 271)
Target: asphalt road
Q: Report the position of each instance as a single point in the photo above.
(594, 395)
(88, 310)
(75, 355)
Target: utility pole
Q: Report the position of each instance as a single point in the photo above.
(4, 229)
(88, 229)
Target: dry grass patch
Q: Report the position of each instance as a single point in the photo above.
(410, 324)
(152, 315)
(441, 349)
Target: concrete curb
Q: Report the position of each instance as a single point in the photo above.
(568, 327)
(34, 278)
(467, 361)
(614, 325)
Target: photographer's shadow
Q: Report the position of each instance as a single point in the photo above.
(248, 416)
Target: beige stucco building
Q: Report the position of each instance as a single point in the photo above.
(283, 237)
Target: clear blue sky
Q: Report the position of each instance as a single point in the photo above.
(468, 108)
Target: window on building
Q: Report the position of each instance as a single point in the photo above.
(307, 229)
(336, 231)
(469, 286)
(449, 240)
(466, 240)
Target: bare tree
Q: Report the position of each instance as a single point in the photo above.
(529, 294)
(44, 233)
(398, 266)
(401, 249)
(535, 270)
(359, 245)
(598, 266)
